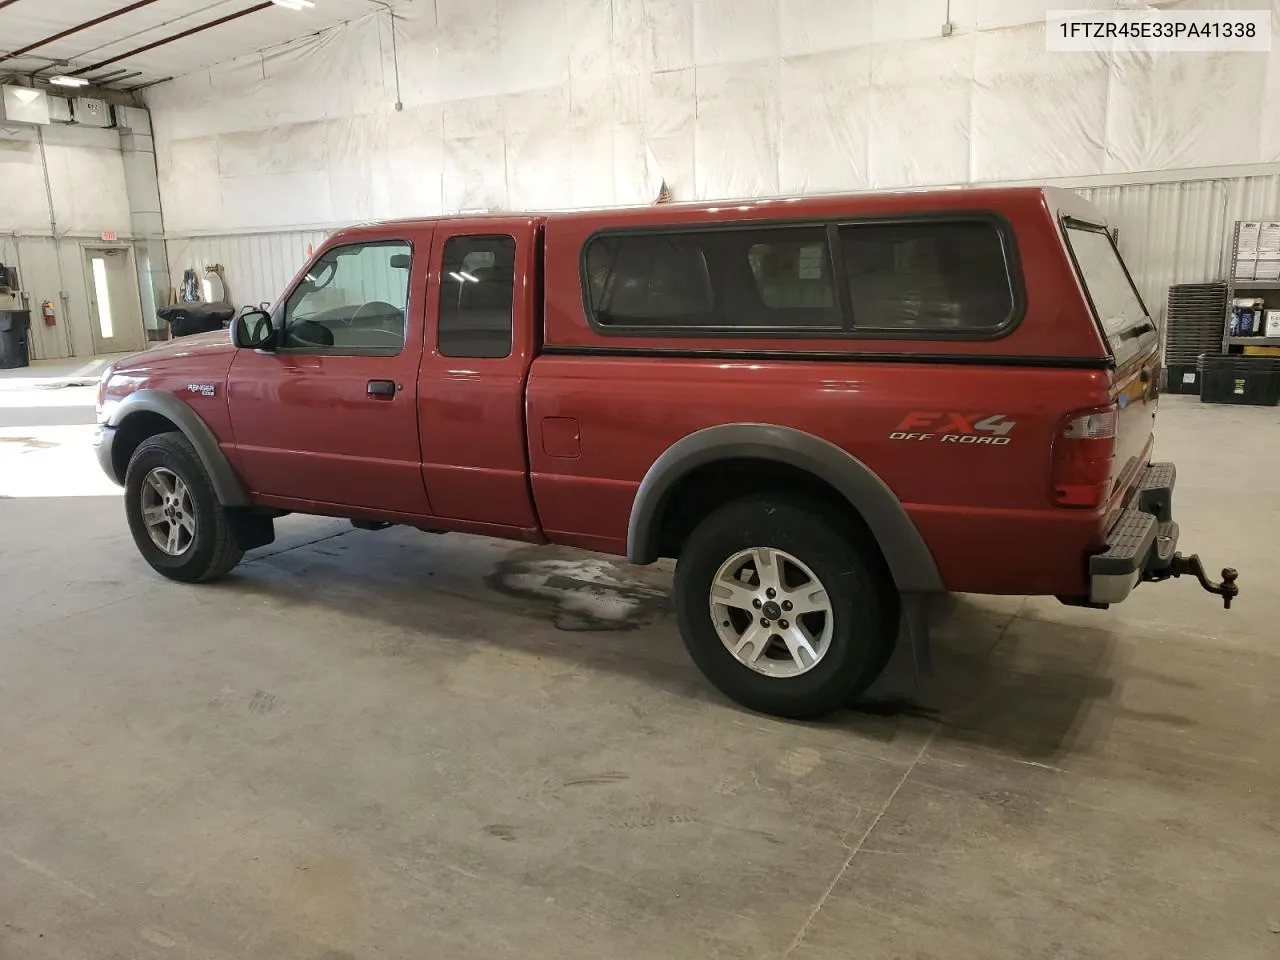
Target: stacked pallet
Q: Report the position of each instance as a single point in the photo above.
(1194, 320)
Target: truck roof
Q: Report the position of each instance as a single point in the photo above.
(817, 206)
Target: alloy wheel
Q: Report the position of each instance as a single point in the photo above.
(168, 511)
(771, 612)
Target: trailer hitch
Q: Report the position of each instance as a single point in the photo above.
(1191, 566)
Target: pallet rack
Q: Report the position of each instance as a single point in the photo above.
(1268, 290)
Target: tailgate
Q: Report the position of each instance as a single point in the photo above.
(1131, 336)
(1136, 397)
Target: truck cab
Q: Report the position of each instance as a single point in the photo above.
(351, 413)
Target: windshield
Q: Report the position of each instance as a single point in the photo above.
(1120, 310)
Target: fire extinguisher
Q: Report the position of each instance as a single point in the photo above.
(50, 318)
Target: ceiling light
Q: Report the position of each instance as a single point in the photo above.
(69, 81)
(294, 4)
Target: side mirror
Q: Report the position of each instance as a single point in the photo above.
(252, 330)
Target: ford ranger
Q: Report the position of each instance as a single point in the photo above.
(827, 410)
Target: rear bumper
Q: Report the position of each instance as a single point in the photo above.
(1142, 543)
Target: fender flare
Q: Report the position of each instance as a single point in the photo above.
(905, 551)
(226, 483)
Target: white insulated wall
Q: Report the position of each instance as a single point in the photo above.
(89, 194)
(516, 104)
(48, 267)
(86, 180)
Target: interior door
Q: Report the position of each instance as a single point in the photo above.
(329, 417)
(115, 307)
(471, 388)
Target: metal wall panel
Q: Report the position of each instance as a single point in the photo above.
(48, 268)
(1251, 198)
(1178, 232)
(38, 263)
(76, 286)
(257, 266)
(1169, 233)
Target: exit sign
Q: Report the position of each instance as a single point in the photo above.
(109, 236)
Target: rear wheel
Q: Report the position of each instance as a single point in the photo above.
(781, 611)
(178, 524)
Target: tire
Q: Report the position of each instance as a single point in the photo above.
(205, 548)
(849, 642)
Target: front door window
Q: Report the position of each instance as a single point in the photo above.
(351, 302)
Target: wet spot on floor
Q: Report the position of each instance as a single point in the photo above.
(262, 702)
(29, 443)
(801, 761)
(584, 594)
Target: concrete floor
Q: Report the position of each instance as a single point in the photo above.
(398, 745)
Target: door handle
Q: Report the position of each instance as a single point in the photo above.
(382, 388)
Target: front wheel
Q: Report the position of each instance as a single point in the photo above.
(782, 612)
(174, 515)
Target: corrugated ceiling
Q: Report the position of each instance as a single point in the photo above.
(129, 25)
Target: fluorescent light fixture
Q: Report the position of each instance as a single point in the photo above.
(69, 81)
(294, 4)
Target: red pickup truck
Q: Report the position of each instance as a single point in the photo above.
(828, 410)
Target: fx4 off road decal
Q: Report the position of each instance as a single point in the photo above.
(990, 429)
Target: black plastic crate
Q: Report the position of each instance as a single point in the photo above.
(15, 328)
(1182, 378)
(1233, 379)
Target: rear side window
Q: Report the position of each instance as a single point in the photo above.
(793, 274)
(928, 277)
(477, 289)
(751, 278)
(1119, 309)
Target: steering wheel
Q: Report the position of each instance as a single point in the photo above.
(374, 309)
(393, 338)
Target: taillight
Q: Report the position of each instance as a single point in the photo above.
(1084, 455)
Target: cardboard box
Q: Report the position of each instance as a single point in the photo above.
(1271, 323)
(1267, 270)
(1269, 241)
(1247, 242)
(1248, 235)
